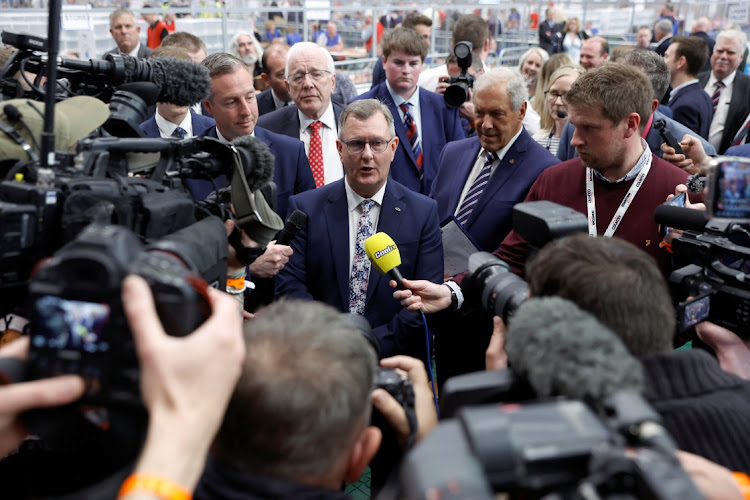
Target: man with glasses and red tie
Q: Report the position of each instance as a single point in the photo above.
(311, 78)
(329, 263)
(424, 124)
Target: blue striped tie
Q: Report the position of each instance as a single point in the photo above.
(475, 192)
(717, 94)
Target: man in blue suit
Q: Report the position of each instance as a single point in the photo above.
(328, 263)
(233, 105)
(424, 124)
(691, 106)
(479, 193)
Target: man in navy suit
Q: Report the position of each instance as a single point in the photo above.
(481, 196)
(691, 106)
(550, 33)
(311, 79)
(328, 263)
(171, 120)
(126, 33)
(276, 96)
(233, 105)
(416, 110)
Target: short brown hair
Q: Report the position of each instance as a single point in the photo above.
(187, 41)
(471, 28)
(415, 19)
(695, 51)
(612, 279)
(615, 90)
(171, 51)
(404, 40)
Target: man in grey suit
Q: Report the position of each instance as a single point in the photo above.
(125, 31)
(311, 79)
(727, 87)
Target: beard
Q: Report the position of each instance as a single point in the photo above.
(250, 59)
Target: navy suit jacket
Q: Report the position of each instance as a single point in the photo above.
(266, 103)
(565, 151)
(492, 217)
(692, 107)
(440, 126)
(319, 268)
(739, 108)
(143, 52)
(291, 171)
(201, 125)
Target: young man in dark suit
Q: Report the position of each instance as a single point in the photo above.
(689, 103)
(276, 96)
(424, 124)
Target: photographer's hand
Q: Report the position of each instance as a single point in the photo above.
(423, 404)
(495, 357)
(23, 396)
(272, 261)
(422, 294)
(186, 382)
(732, 352)
(442, 84)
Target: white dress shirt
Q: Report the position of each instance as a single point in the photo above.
(166, 128)
(334, 170)
(722, 109)
(414, 109)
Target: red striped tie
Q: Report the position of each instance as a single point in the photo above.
(717, 94)
(411, 133)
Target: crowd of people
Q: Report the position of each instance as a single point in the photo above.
(280, 405)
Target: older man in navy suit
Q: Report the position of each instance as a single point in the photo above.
(424, 123)
(480, 179)
(311, 79)
(329, 262)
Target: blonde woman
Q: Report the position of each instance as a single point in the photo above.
(553, 120)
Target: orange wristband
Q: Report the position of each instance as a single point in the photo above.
(743, 483)
(237, 283)
(157, 486)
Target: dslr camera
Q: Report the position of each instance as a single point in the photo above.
(458, 89)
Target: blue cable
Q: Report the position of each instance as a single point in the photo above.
(429, 362)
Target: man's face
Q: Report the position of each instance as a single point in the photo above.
(402, 72)
(551, 15)
(424, 31)
(311, 96)
(275, 64)
(245, 46)
(643, 38)
(331, 30)
(600, 144)
(670, 58)
(726, 57)
(151, 18)
(233, 104)
(591, 55)
(367, 171)
(125, 31)
(496, 122)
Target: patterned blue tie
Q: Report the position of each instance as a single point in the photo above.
(361, 264)
(475, 191)
(179, 133)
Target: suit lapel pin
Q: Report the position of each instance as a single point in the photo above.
(398, 209)
(512, 161)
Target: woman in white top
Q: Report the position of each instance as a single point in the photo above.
(571, 43)
(556, 114)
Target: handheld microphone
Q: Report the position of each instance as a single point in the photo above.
(562, 350)
(294, 223)
(562, 114)
(680, 217)
(385, 257)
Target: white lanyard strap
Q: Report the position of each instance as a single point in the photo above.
(624, 205)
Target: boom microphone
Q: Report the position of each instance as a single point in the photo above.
(294, 223)
(257, 163)
(680, 217)
(562, 350)
(384, 255)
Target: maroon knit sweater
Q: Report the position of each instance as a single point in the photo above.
(565, 184)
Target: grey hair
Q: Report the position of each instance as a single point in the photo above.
(734, 34)
(119, 13)
(304, 394)
(234, 45)
(653, 65)
(513, 81)
(538, 50)
(364, 109)
(664, 26)
(220, 64)
(303, 47)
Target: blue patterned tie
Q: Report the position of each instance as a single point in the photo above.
(361, 264)
(475, 191)
(179, 133)
(411, 133)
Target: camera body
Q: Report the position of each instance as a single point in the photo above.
(459, 85)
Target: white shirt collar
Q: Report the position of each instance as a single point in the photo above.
(728, 81)
(279, 103)
(132, 53)
(398, 100)
(328, 119)
(353, 200)
(680, 87)
(166, 128)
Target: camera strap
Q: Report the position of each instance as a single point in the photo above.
(14, 136)
(624, 205)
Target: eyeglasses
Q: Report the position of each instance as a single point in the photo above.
(356, 146)
(317, 75)
(552, 96)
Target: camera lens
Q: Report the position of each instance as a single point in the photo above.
(456, 93)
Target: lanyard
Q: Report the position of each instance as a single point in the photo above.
(624, 205)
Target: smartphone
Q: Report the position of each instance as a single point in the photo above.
(693, 311)
(667, 137)
(677, 201)
(729, 188)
